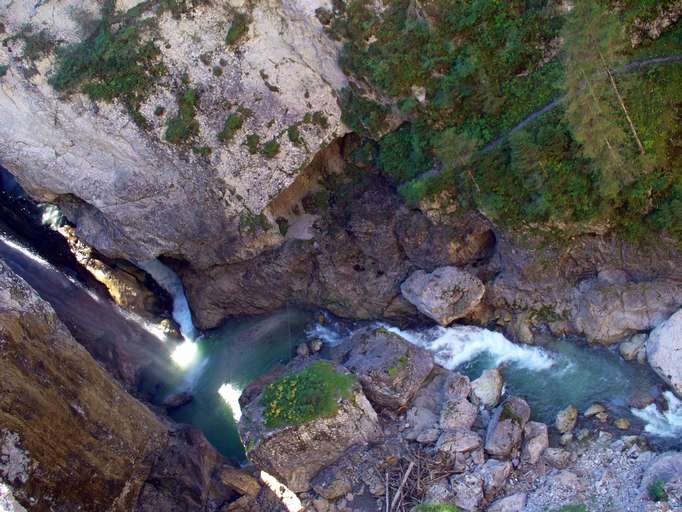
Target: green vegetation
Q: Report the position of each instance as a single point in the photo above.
(657, 491)
(463, 74)
(294, 135)
(183, 127)
(238, 29)
(204, 151)
(306, 395)
(252, 143)
(435, 507)
(37, 44)
(3, 69)
(232, 124)
(159, 110)
(114, 63)
(573, 508)
(270, 149)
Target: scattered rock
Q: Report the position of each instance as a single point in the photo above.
(505, 430)
(316, 345)
(557, 457)
(468, 491)
(582, 434)
(594, 409)
(331, 485)
(457, 386)
(536, 440)
(458, 441)
(390, 369)
(444, 295)
(428, 436)
(177, 400)
(665, 467)
(664, 351)
(513, 503)
(495, 474)
(566, 419)
(420, 420)
(622, 423)
(633, 346)
(458, 414)
(567, 479)
(566, 439)
(602, 416)
(302, 350)
(488, 387)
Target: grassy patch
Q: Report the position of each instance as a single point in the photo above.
(232, 125)
(294, 134)
(306, 395)
(270, 149)
(183, 127)
(238, 29)
(436, 507)
(573, 508)
(657, 491)
(252, 143)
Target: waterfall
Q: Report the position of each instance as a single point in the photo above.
(186, 352)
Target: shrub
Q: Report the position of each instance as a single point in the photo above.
(252, 143)
(294, 134)
(232, 124)
(573, 508)
(204, 151)
(270, 149)
(110, 65)
(37, 44)
(306, 395)
(435, 507)
(657, 491)
(238, 29)
(183, 127)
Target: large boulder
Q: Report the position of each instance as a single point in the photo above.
(664, 351)
(71, 438)
(505, 430)
(488, 387)
(295, 453)
(445, 294)
(458, 413)
(610, 311)
(390, 368)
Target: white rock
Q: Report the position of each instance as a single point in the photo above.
(664, 351)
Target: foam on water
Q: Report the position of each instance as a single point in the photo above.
(454, 346)
(666, 423)
(230, 394)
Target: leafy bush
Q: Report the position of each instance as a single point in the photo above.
(270, 149)
(306, 395)
(232, 124)
(573, 508)
(238, 29)
(657, 491)
(183, 127)
(252, 143)
(435, 507)
(294, 134)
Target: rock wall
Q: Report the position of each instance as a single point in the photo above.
(132, 194)
(72, 438)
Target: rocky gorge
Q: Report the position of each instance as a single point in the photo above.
(220, 140)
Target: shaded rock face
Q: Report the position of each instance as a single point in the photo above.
(72, 438)
(664, 351)
(505, 430)
(135, 196)
(390, 369)
(353, 266)
(295, 454)
(444, 295)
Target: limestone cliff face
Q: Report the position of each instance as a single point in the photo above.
(131, 193)
(72, 438)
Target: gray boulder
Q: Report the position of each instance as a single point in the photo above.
(457, 386)
(505, 430)
(458, 441)
(390, 369)
(468, 490)
(557, 457)
(495, 474)
(536, 441)
(459, 413)
(566, 419)
(295, 454)
(610, 311)
(488, 387)
(631, 348)
(664, 351)
(444, 295)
